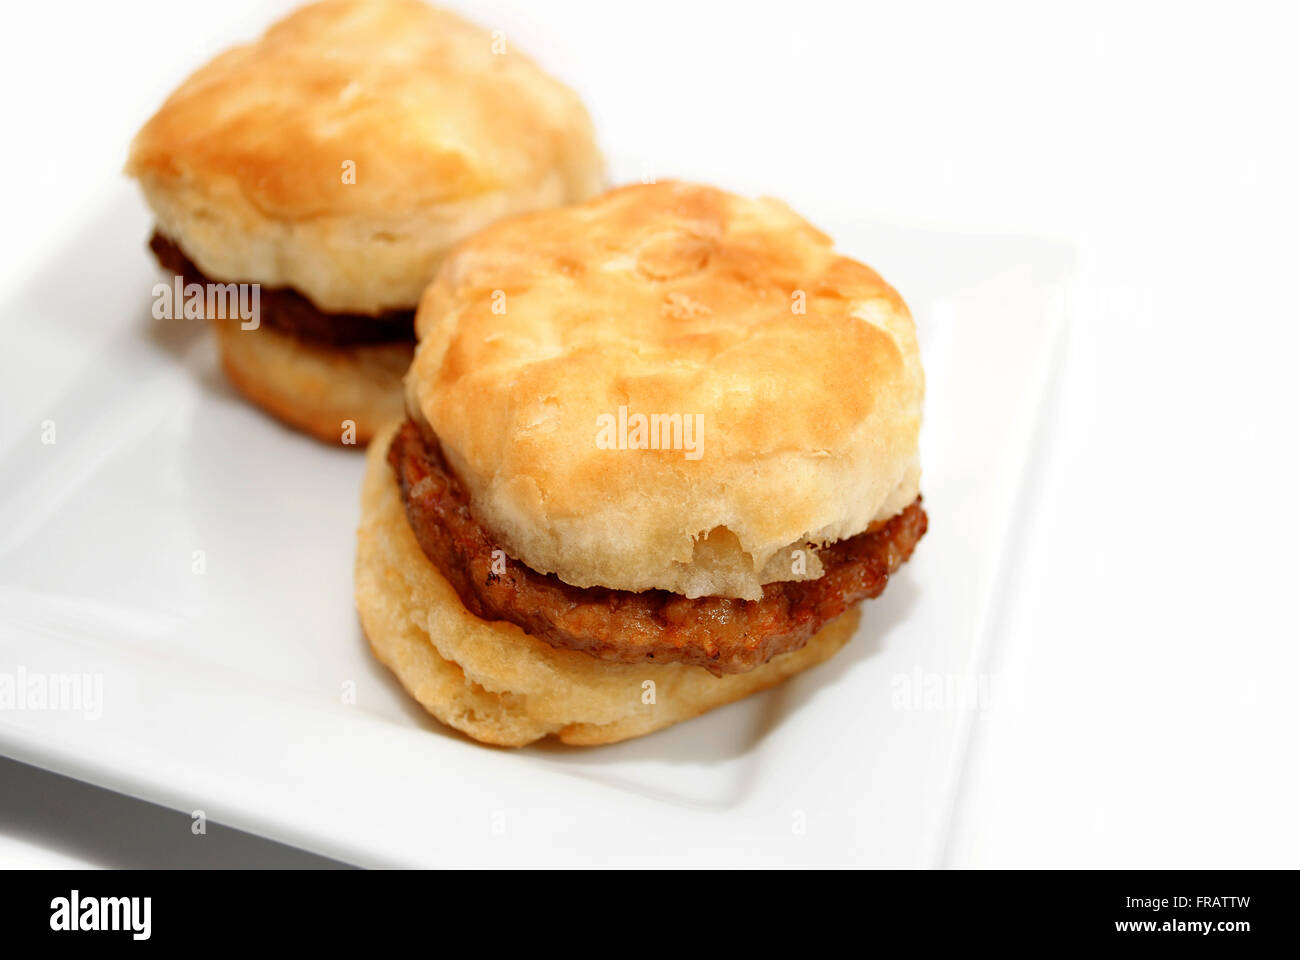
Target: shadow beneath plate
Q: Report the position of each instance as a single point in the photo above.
(107, 829)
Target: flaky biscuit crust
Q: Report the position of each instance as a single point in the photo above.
(497, 684)
(800, 365)
(445, 129)
(340, 395)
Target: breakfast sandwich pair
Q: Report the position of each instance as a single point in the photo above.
(633, 455)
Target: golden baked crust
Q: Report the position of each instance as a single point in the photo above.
(316, 388)
(495, 682)
(244, 164)
(801, 366)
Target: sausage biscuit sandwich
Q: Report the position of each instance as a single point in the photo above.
(333, 163)
(658, 447)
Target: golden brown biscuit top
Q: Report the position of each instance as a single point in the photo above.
(799, 365)
(425, 105)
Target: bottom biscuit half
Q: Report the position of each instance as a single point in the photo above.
(318, 389)
(493, 681)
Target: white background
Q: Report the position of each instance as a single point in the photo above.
(1152, 644)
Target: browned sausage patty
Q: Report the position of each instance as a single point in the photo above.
(722, 634)
(290, 312)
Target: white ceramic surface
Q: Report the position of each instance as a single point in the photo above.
(224, 690)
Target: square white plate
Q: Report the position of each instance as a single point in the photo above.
(223, 691)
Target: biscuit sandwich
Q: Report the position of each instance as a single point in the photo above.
(331, 165)
(658, 447)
